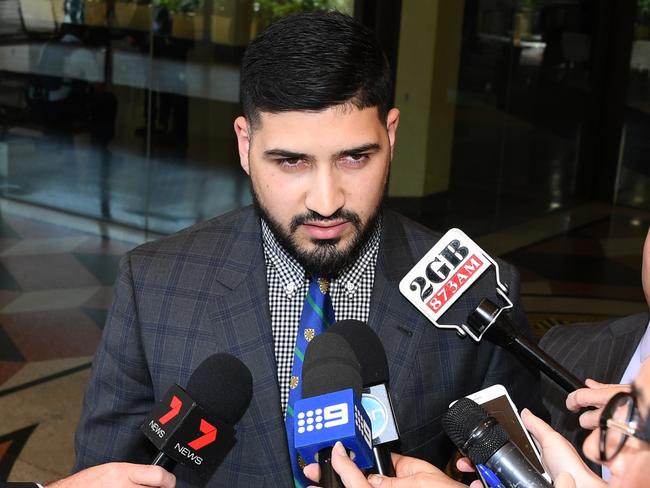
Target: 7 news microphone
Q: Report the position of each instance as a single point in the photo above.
(194, 427)
(376, 395)
(483, 440)
(330, 409)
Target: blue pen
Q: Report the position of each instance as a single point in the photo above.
(489, 476)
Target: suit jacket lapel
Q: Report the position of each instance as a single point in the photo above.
(242, 325)
(397, 323)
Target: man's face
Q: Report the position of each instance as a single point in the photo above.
(318, 178)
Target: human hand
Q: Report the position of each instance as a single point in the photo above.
(595, 395)
(564, 480)
(464, 465)
(559, 456)
(118, 475)
(411, 473)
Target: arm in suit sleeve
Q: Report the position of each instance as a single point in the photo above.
(119, 394)
(521, 380)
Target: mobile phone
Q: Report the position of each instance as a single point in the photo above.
(496, 401)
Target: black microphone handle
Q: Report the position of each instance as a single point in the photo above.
(164, 461)
(383, 461)
(504, 333)
(514, 470)
(328, 477)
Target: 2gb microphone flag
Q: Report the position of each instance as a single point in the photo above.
(445, 273)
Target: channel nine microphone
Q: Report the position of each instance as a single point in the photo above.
(194, 427)
(331, 409)
(483, 440)
(447, 272)
(376, 396)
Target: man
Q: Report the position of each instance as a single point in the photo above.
(316, 139)
(611, 352)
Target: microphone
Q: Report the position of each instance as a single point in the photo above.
(376, 396)
(194, 427)
(500, 330)
(446, 273)
(484, 441)
(330, 409)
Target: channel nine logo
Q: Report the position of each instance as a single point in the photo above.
(322, 420)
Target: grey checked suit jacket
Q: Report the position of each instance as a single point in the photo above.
(600, 351)
(203, 290)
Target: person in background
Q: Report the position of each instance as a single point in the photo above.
(608, 353)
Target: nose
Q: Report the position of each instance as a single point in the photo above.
(325, 194)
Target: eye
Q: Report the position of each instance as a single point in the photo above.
(291, 164)
(356, 159)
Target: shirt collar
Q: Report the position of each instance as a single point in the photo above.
(292, 275)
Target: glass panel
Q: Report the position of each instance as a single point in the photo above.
(633, 187)
(123, 110)
(523, 84)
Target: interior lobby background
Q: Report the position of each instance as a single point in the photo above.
(524, 122)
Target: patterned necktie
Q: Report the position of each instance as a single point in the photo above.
(317, 315)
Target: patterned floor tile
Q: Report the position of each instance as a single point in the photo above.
(7, 280)
(48, 272)
(101, 299)
(52, 334)
(52, 245)
(103, 267)
(50, 300)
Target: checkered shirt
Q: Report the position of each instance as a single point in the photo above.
(288, 285)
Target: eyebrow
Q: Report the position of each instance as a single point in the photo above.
(364, 148)
(284, 154)
(287, 154)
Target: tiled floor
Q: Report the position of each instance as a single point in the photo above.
(55, 288)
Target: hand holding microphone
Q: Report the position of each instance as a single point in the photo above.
(118, 475)
(195, 427)
(376, 395)
(594, 397)
(411, 473)
(480, 437)
(330, 409)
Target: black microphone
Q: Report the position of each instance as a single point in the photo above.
(501, 331)
(376, 396)
(483, 440)
(447, 272)
(194, 427)
(330, 409)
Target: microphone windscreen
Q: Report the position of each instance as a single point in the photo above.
(467, 421)
(330, 365)
(368, 349)
(223, 386)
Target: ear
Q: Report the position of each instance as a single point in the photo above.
(243, 142)
(392, 122)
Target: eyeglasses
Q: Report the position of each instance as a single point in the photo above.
(619, 420)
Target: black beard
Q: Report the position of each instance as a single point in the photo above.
(326, 260)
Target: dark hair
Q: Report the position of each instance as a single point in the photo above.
(312, 62)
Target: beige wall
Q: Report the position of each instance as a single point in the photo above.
(427, 75)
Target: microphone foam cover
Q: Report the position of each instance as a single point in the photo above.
(330, 365)
(223, 386)
(466, 419)
(368, 349)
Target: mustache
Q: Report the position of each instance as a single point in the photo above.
(313, 216)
